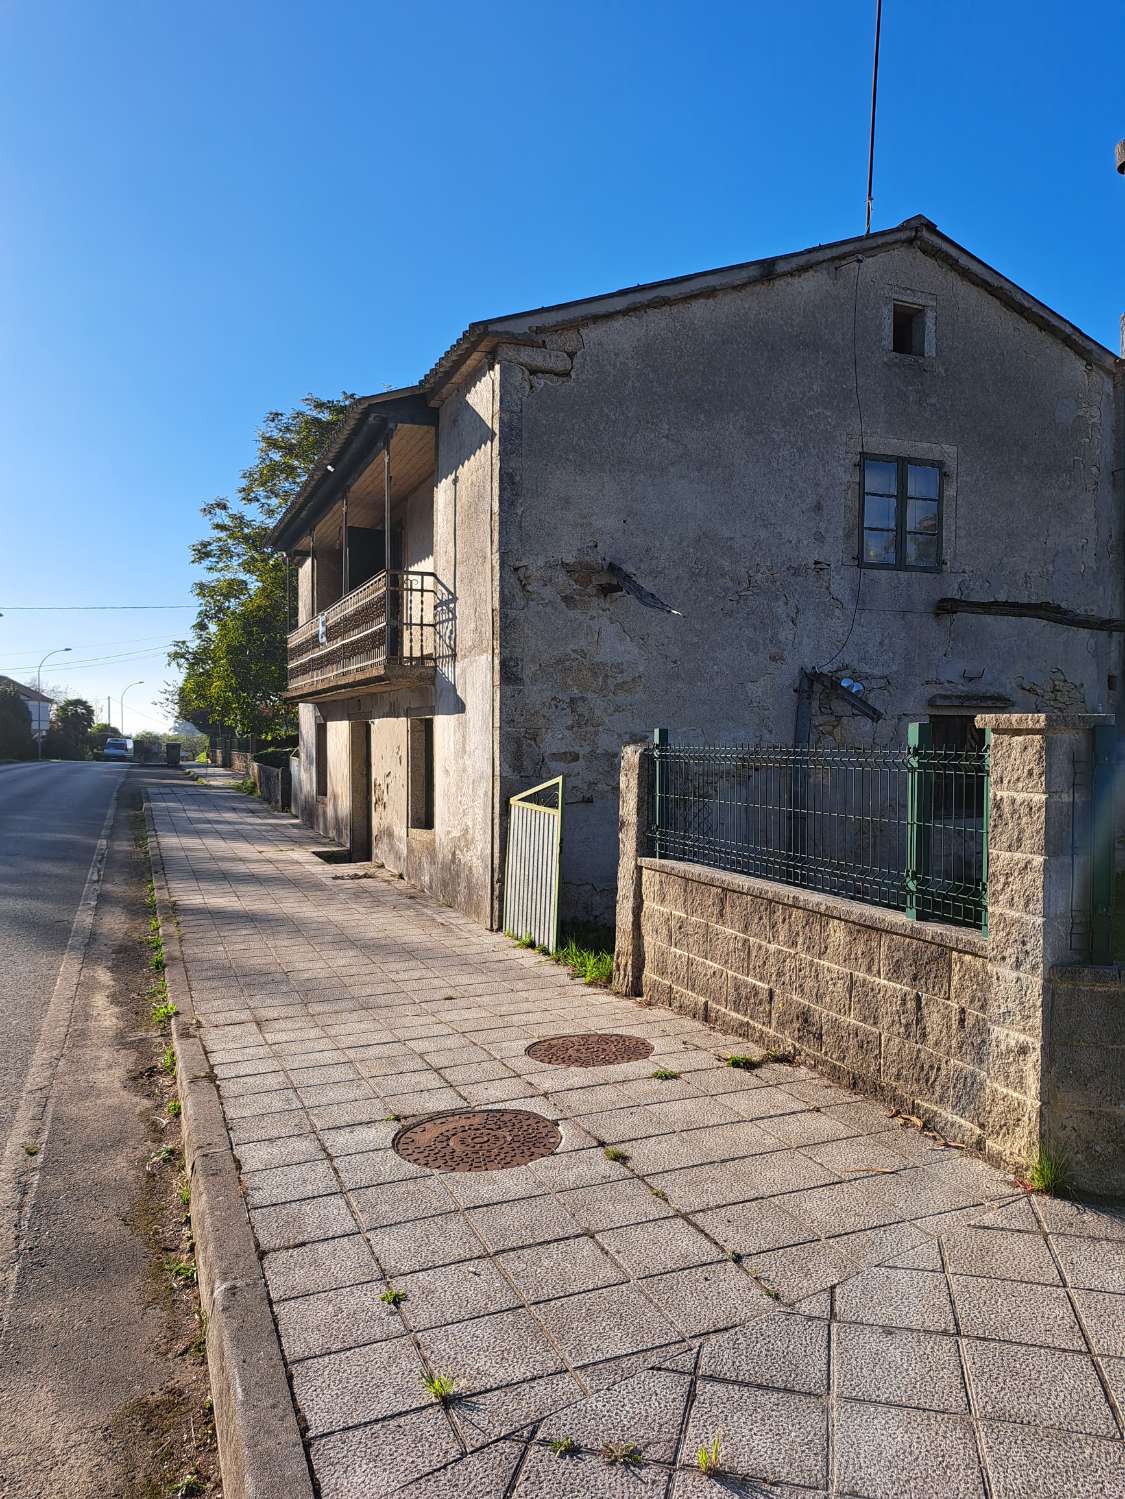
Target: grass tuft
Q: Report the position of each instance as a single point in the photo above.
(174, 1108)
(561, 1446)
(168, 1060)
(1048, 1174)
(615, 1153)
(745, 1064)
(665, 1075)
(441, 1386)
(708, 1458)
(393, 1297)
(621, 1454)
(181, 1271)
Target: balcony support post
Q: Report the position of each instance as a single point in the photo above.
(345, 569)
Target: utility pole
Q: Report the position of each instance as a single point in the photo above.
(42, 734)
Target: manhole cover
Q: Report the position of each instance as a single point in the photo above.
(478, 1140)
(591, 1050)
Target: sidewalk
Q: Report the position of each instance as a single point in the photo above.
(852, 1308)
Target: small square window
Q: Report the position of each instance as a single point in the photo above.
(900, 515)
(908, 329)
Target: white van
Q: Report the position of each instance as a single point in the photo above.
(118, 749)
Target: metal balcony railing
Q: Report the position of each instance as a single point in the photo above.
(391, 620)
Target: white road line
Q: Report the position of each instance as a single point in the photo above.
(19, 1171)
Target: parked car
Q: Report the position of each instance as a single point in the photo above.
(118, 749)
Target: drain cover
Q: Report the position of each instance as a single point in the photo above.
(590, 1050)
(478, 1139)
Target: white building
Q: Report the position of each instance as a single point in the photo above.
(39, 705)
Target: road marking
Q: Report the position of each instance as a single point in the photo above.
(19, 1172)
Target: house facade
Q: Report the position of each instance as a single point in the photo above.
(805, 500)
(38, 704)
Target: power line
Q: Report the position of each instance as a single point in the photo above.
(136, 640)
(101, 660)
(82, 608)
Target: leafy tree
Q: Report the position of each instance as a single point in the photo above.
(68, 737)
(234, 665)
(16, 740)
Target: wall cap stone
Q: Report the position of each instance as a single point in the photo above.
(880, 918)
(1040, 723)
(1111, 975)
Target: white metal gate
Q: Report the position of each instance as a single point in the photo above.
(531, 875)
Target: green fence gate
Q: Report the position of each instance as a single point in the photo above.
(531, 873)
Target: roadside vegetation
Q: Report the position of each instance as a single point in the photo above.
(586, 950)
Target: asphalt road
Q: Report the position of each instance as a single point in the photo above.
(50, 819)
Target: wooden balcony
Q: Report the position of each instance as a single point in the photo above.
(382, 635)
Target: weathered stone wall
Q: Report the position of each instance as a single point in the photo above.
(973, 1033)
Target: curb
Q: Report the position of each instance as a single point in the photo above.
(261, 1451)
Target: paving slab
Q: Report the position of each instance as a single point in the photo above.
(760, 1256)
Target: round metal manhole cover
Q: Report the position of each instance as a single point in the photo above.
(478, 1139)
(591, 1050)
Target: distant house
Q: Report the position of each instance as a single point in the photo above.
(715, 504)
(39, 705)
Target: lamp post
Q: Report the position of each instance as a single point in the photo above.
(58, 651)
(124, 690)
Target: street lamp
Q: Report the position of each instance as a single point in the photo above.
(58, 651)
(124, 690)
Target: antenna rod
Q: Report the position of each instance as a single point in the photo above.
(874, 96)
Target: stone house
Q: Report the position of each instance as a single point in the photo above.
(704, 503)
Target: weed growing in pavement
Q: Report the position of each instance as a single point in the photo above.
(185, 1193)
(248, 786)
(164, 1155)
(746, 1064)
(181, 1271)
(155, 944)
(1048, 1174)
(561, 1446)
(615, 1153)
(665, 1075)
(162, 1007)
(168, 1060)
(621, 1454)
(659, 1192)
(31, 1150)
(441, 1386)
(709, 1457)
(528, 941)
(174, 1108)
(393, 1297)
(393, 1118)
(588, 953)
(189, 1485)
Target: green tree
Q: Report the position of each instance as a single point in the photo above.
(234, 667)
(16, 740)
(68, 737)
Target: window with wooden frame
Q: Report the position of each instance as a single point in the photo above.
(900, 515)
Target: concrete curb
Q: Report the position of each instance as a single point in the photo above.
(261, 1451)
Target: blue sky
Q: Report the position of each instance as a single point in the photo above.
(211, 210)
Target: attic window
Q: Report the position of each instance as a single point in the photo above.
(908, 329)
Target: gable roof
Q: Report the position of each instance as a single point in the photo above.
(373, 414)
(24, 691)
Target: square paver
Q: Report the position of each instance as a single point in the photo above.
(1016, 1312)
(400, 1202)
(1091, 1264)
(290, 1183)
(302, 1222)
(613, 1204)
(665, 1244)
(606, 1324)
(708, 1297)
(533, 1220)
(783, 1350)
(898, 1366)
(1104, 1318)
(545, 1476)
(450, 1293)
(371, 1459)
(362, 1384)
(887, 1452)
(979, 1251)
(774, 1435)
(1025, 1463)
(646, 1409)
(560, 1268)
(330, 1321)
(1041, 1386)
(319, 1267)
(882, 1296)
(491, 1351)
(749, 1228)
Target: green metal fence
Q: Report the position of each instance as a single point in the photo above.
(531, 874)
(904, 828)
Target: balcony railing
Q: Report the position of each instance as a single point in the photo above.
(390, 621)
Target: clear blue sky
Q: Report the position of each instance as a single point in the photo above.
(210, 210)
